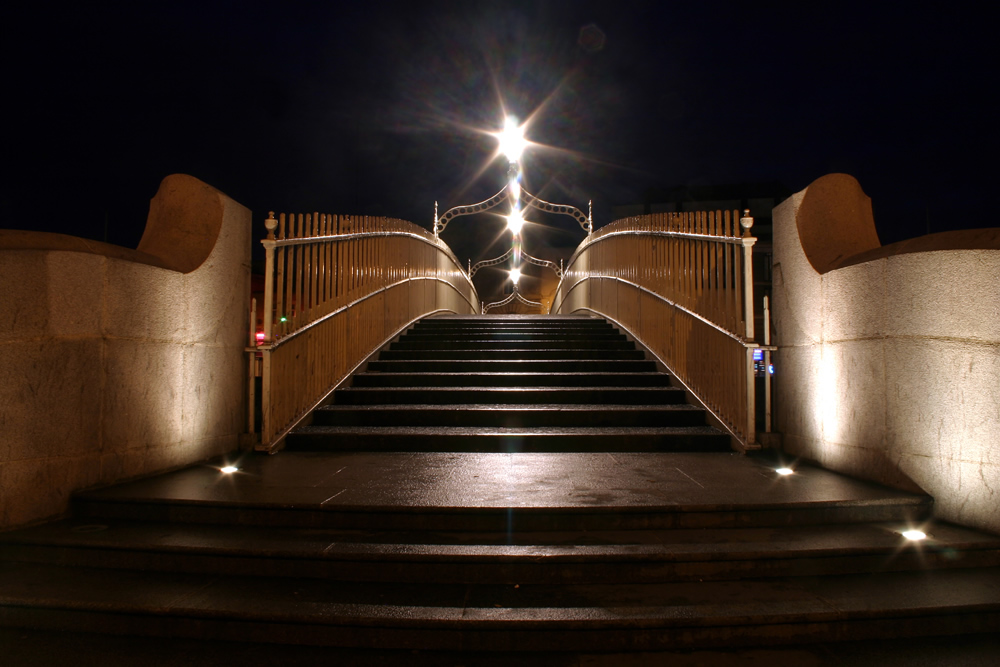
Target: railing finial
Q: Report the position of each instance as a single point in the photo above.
(746, 222)
(271, 225)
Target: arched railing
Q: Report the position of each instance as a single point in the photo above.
(681, 284)
(337, 288)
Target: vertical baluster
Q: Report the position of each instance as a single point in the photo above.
(730, 279)
(289, 281)
(713, 265)
(324, 295)
(314, 268)
(699, 223)
(321, 267)
(297, 303)
(339, 268)
(720, 304)
(279, 282)
(331, 276)
(688, 261)
(307, 271)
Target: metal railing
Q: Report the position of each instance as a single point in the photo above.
(337, 288)
(682, 284)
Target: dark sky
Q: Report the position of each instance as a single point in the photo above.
(368, 107)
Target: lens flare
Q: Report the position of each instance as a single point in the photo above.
(512, 141)
(515, 221)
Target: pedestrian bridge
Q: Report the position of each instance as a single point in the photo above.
(587, 480)
(338, 288)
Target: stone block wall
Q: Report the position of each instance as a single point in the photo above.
(120, 363)
(889, 357)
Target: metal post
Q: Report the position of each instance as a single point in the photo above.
(767, 366)
(265, 403)
(746, 222)
(251, 416)
(269, 244)
(751, 401)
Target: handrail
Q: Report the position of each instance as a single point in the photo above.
(322, 319)
(682, 284)
(515, 295)
(544, 263)
(490, 262)
(337, 288)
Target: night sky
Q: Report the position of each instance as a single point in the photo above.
(379, 107)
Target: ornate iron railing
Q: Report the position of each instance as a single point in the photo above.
(682, 284)
(337, 288)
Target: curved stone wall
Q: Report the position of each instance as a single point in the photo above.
(889, 357)
(118, 362)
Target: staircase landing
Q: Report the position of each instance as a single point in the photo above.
(417, 521)
(670, 482)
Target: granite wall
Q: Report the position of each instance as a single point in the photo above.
(889, 357)
(119, 362)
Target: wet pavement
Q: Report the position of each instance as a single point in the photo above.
(496, 480)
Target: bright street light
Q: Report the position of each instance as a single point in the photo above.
(512, 141)
(515, 221)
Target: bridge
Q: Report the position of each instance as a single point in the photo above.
(387, 472)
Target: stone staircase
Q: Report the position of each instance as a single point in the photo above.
(492, 489)
(511, 384)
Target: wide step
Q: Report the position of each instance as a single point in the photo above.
(511, 415)
(514, 488)
(509, 439)
(547, 557)
(502, 617)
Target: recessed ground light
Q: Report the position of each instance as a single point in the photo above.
(784, 471)
(229, 469)
(914, 535)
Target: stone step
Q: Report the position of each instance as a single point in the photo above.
(511, 366)
(503, 492)
(42, 647)
(501, 617)
(547, 322)
(487, 345)
(582, 354)
(418, 330)
(517, 395)
(513, 336)
(511, 379)
(507, 439)
(511, 415)
(601, 557)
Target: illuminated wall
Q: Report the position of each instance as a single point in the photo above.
(889, 359)
(119, 362)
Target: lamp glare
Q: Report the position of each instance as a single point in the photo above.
(515, 275)
(914, 535)
(511, 139)
(784, 471)
(229, 470)
(515, 221)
